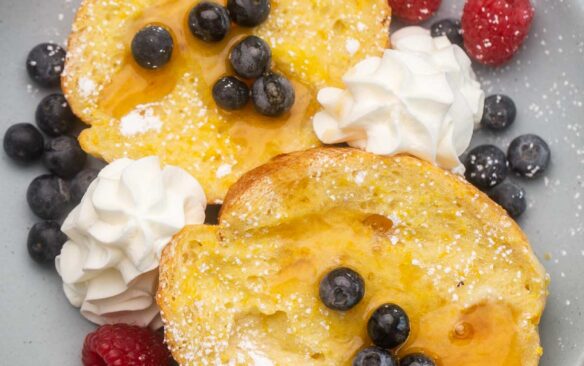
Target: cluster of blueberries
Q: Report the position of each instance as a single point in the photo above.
(50, 196)
(272, 93)
(487, 166)
(388, 327)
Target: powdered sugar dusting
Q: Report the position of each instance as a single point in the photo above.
(139, 121)
(360, 177)
(352, 46)
(223, 170)
(259, 359)
(87, 87)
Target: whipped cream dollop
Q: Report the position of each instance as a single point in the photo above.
(421, 98)
(116, 235)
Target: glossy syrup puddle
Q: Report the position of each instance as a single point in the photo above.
(207, 62)
(483, 334)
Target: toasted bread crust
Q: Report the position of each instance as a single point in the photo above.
(292, 191)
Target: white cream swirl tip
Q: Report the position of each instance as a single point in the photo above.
(116, 235)
(421, 98)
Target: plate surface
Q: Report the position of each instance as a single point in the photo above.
(546, 81)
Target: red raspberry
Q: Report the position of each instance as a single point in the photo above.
(495, 29)
(124, 345)
(414, 11)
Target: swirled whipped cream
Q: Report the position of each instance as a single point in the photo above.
(117, 233)
(421, 98)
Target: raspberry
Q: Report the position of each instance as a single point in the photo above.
(495, 29)
(414, 11)
(124, 345)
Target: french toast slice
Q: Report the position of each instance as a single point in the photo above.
(171, 113)
(245, 291)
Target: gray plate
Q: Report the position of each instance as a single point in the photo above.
(37, 325)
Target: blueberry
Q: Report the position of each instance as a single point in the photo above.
(54, 115)
(416, 359)
(374, 356)
(23, 142)
(499, 112)
(45, 64)
(511, 197)
(64, 157)
(45, 241)
(81, 183)
(230, 93)
(49, 197)
(389, 326)
(450, 28)
(251, 57)
(209, 22)
(529, 156)
(273, 95)
(152, 47)
(249, 13)
(486, 166)
(342, 289)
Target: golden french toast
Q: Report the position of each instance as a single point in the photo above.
(246, 292)
(170, 112)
